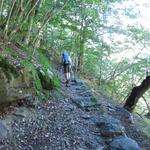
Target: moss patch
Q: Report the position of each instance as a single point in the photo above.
(8, 69)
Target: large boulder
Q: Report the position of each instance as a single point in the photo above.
(14, 84)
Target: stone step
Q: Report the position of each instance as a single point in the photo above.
(85, 102)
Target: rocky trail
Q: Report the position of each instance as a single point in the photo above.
(72, 119)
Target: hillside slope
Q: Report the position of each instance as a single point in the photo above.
(71, 119)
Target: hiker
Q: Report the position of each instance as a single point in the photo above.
(66, 60)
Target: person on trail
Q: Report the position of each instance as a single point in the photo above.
(66, 60)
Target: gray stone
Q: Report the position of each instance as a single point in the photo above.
(86, 116)
(46, 78)
(86, 94)
(3, 131)
(50, 73)
(126, 114)
(14, 87)
(80, 82)
(22, 112)
(109, 126)
(85, 102)
(124, 143)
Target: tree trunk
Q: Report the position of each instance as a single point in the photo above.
(136, 93)
(82, 39)
(8, 19)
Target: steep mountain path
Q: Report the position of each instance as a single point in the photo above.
(72, 119)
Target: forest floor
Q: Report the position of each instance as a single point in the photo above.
(66, 122)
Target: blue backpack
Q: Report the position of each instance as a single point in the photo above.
(66, 58)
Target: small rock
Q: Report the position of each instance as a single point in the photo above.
(86, 116)
(124, 143)
(3, 131)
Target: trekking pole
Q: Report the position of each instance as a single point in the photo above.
(72, 74)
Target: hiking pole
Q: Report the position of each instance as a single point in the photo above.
(72, 74)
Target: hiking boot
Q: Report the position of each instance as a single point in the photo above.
(67, 85)
(67, 82)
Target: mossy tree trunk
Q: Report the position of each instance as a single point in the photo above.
(136, 93)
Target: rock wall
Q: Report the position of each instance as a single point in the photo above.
(14, 84)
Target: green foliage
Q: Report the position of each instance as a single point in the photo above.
(30, 67)
(43, 60)
(42, 80)
(45, 64)
(56, 82)
(93, 99)
(140, 34)
(143, 124)
(8, 49)
(37, 81)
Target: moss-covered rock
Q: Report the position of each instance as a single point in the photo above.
(48, 79)
(14, 84)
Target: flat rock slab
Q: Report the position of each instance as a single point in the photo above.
(109, 126)
(124, 143)
(86, 94)
(85, 102)
(22, 112)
